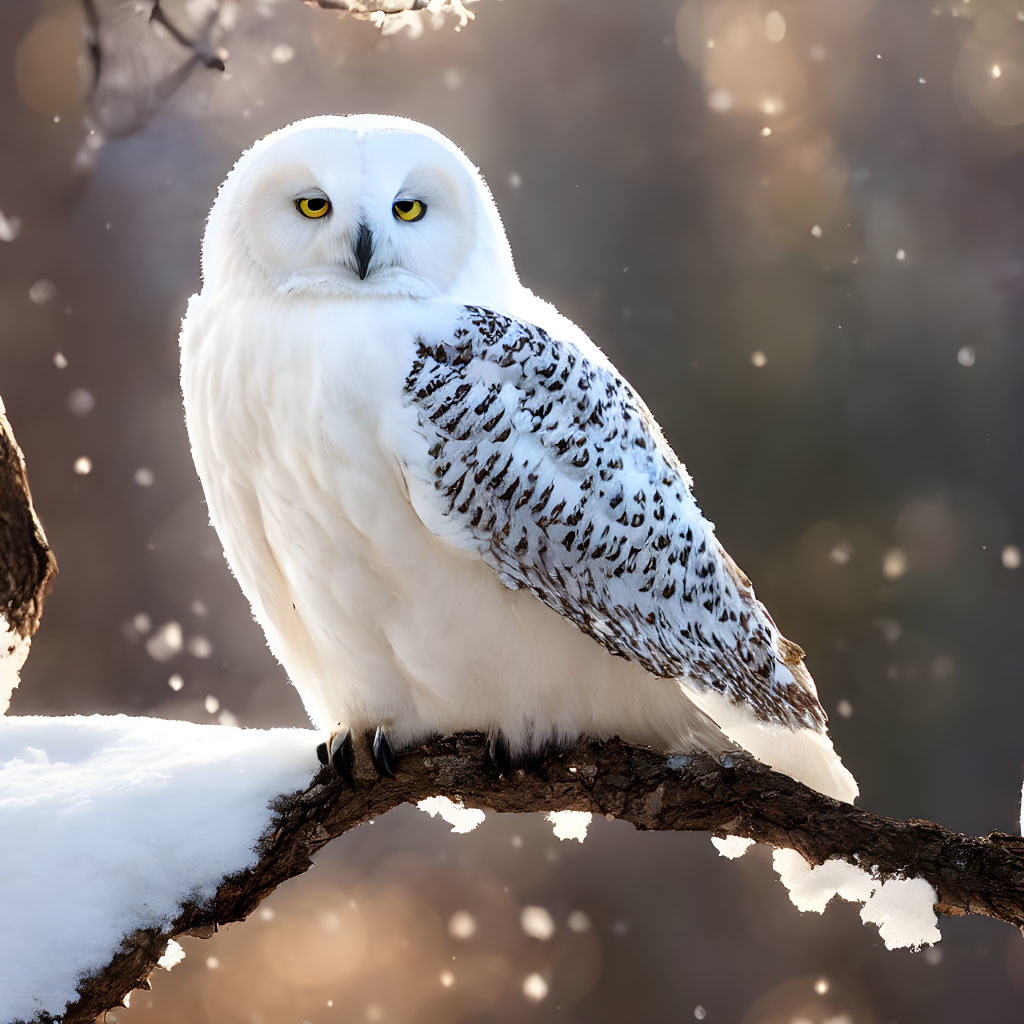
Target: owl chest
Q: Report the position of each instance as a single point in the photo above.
(303, 436)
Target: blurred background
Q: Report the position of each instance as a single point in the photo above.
(797, 229)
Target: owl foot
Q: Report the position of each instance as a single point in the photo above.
(383, 757)
(501, 755)
(530, 759)
(337, 752)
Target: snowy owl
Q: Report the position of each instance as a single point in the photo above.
(446, 507)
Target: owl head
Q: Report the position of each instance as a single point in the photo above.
(360, 206)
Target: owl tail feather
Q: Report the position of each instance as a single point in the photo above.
(806, 755)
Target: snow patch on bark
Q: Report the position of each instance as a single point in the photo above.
(570, 824)
(903, 908)
(732, 847)
(461, 818)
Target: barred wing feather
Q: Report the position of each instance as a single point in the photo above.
(551, 466)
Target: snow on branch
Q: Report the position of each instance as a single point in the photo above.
(378, 10)
(736, 796)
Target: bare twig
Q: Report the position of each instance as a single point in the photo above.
(198, 47)
(141, 54)
(136, 69)
(739, 797)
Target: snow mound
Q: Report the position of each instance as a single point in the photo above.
(903, 908)
(110, 824)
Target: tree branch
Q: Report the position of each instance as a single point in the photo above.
(734, 796)
(27, 565)
(390, 6)
(141, 54)
(369, 6)
(737, 796)
(395, 15)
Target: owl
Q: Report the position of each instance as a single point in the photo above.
(447, 508)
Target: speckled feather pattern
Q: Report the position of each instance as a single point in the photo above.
(558, 471)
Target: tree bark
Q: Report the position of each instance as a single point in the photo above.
(734, 796)
(27, 565)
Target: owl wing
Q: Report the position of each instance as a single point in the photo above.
(537, 454)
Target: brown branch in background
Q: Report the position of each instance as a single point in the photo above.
(199, 46)
(91, 32)
(141, 54)
(738, 796)
(392, 15)
(390, 6)
(369, 6)
(27, 565)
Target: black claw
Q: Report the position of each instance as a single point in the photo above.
(342, 755)
(321, 753)
(501, 755)
(383, 756)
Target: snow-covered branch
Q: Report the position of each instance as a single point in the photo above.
(391, 8)
(377, 6)
(392, 16)
(736, 796)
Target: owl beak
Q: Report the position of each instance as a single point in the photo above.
(364, 251)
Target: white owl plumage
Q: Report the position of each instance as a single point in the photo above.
(446, 507)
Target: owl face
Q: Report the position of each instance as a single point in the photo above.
(352, 206)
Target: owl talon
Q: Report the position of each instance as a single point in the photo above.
(342, 755)
(501, 755)
(383, 757)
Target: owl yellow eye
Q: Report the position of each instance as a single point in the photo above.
(409, 209)
(313, 208)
